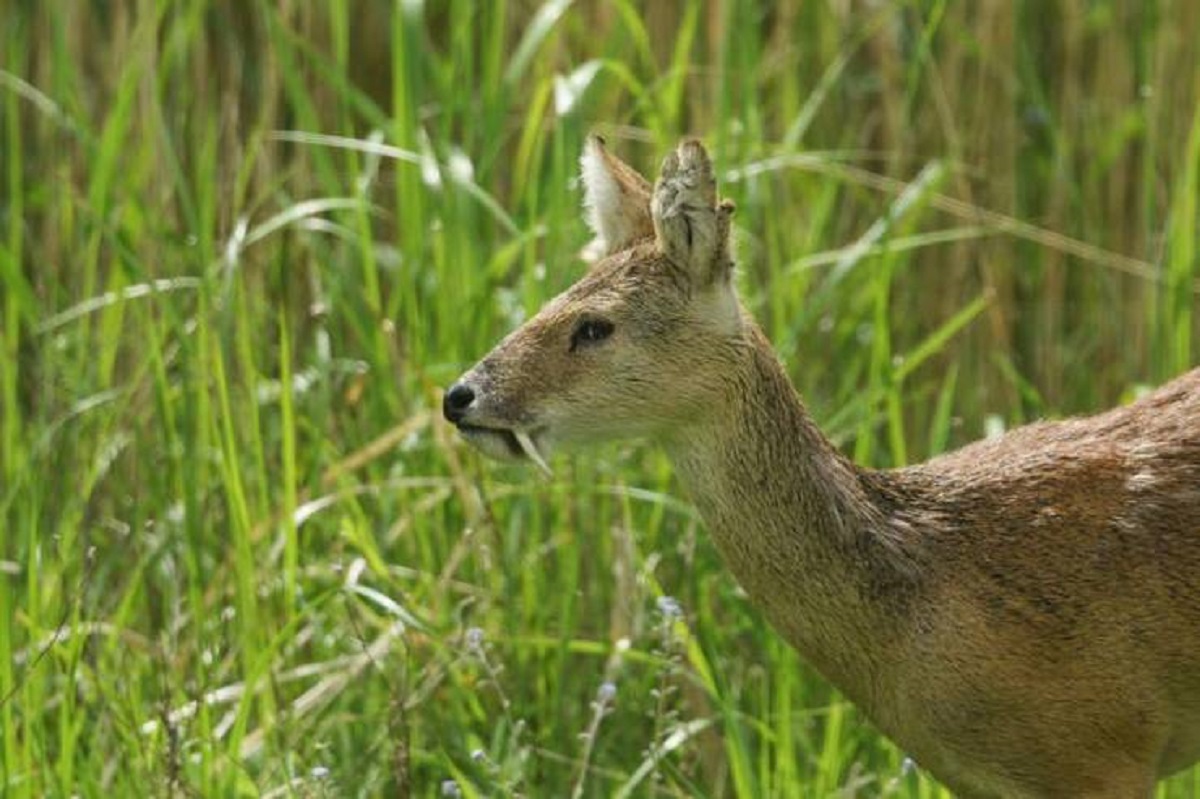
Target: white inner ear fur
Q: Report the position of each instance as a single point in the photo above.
(601, 194)
(614, 211)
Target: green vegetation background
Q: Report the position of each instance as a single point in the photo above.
(244, 245)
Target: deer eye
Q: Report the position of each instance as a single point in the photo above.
(590, 331)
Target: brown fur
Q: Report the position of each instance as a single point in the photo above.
(1022, 615)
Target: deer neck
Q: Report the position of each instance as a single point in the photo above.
(803, 530)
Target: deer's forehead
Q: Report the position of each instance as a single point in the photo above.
(623, 281)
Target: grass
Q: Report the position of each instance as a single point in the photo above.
(242, 246)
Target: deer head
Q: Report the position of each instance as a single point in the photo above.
(641, 345)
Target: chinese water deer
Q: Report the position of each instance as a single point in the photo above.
(1022, 616)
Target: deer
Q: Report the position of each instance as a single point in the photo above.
(1021, 616)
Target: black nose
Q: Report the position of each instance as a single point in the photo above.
(456, 401)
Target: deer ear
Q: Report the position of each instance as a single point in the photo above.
(616, 200)
(691, 226)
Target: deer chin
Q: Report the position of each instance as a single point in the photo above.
(509, 444)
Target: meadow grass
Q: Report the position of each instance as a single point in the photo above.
(243, 246)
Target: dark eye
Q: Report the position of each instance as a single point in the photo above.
(589, 331)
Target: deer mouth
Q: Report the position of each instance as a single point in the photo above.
(506, 444)
(499, 442)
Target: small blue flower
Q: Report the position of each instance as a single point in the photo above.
(669, 607)
(450, 788)
(475, 638)
(606, 693)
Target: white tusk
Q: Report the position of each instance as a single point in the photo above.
(530, 450)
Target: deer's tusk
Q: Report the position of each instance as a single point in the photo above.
(531, 451)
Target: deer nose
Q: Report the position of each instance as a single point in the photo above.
(456, 401)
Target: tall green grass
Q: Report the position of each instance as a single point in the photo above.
(242, 246)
